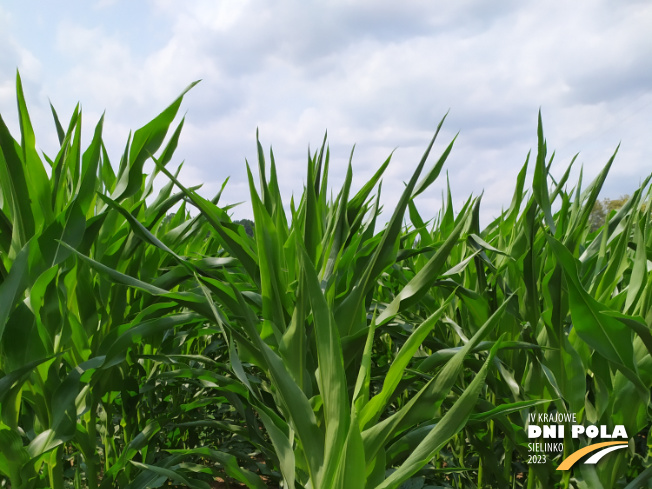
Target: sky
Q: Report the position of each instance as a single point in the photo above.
(378, 74)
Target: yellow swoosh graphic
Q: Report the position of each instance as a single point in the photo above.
(575, 456)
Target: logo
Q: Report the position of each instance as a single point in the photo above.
(550, 430)
(595, 458)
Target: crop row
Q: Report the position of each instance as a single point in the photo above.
(142, 345)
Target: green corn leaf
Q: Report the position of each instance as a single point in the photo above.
(229, 463)
(15, 190)
(423, 280)
(506, 409)
(294, 402)
(90, 166)
(605, 334)
(60, 132)
(453, 421)
(349, 469)
(357, 203)
(374, 407)
(38, 188)
(639, 267)
(172, 475)
(12, 288)
(117, 351)
(348, 312)
(141, 231)
(17, 377)
(13, 454)
(423, 406)
(361, 391)
(332, 378)
(435, 171)
(231, 240)
(136, 444)
(563, 180)
(540, 181)
(145, 143)
(282, 447)
(166, 156)
(589, 198)
(270, 259)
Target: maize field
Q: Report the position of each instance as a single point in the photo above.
(143, 345)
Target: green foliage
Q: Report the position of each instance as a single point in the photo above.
(603, 208)
(248, 225)
(141, 346)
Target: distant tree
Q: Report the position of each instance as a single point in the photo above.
(601, 210)
(248, 225)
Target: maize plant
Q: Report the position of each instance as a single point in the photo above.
(144, 345)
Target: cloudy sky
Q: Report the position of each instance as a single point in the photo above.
(378, 74)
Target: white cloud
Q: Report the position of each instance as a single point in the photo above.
(374, 73)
